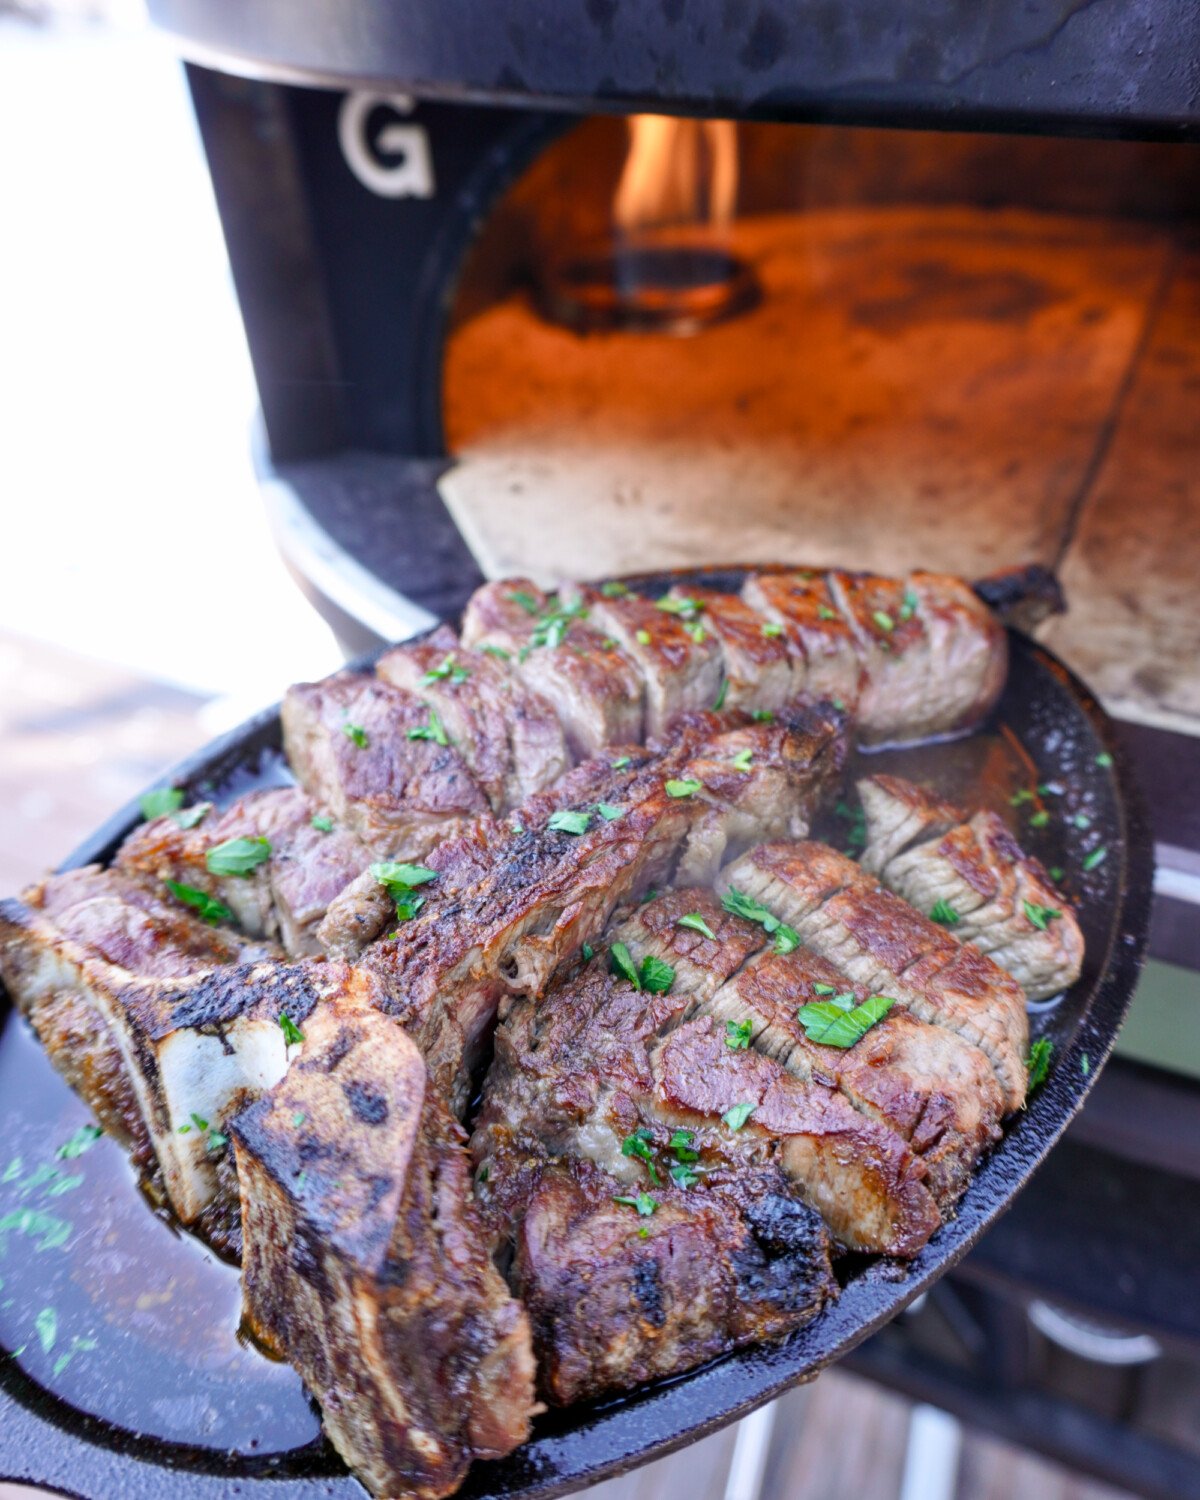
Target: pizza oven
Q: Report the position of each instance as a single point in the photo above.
(599, 287)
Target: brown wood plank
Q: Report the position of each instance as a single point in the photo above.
(919, 386)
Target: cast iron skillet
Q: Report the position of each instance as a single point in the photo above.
(48, 1436)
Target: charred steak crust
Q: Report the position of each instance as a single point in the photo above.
(366, 1266)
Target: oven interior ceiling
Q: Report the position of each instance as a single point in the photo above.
(967, 352)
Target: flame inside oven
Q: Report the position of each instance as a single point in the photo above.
(665, 267)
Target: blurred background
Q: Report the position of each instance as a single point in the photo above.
(144, 606)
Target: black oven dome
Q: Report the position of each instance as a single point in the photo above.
(1110, 67)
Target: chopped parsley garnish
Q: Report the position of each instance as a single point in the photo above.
(772, 627)
(1085, 1064)
(644, 1203)
(527, 602)
(400, 882)
(684, 607)
(498, 652)
(1038, 1062)
(1081, 820)
(738, 1033)
(322, 823)
(688, 787)
(1096, 857)
(762, 716)
(156, 804)
(639, 1144)
(299, 1118)
(610, 643)
(696, 631)
(884, 620)
(609, 811)
(787, 939)
(553, 624)
(719, 700)
(657, 975)
(83, 1140)
(357, 734)
(216, 1141)
(944, 913)
(825, 613)
(237, 856)
(1056, 873)
(188, 817)
(1040, 916)
(620, 763)
(642, 637)
(741, 761)
(46, 1327)
(839, 1022)
(820, 988)
(613, 589)
(697, 923)
(448, 671)
(681, 1144)
(736, 1117)
(683, 1175)
(1104, 759)
(1039, 819)
(1023, 794)
(292, 1034)
(207, 907)
(1049, 789)
(908, 607)
(567, 821)
(435, 730)
(654, 974)
(588, 952)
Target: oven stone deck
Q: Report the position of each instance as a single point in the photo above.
(953, 388)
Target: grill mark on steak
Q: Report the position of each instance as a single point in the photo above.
(981, 872)
(366, 1265)
(758, 669)
(879, 941)
(815, 630)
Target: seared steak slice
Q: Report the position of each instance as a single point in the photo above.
(593, 686)
(759, 670)
(1001, 899)
(509, 735)
(758, 780)
(286, 896)
(815, 630)
(894, 649)
(968, 656)
(381, 761)
(88, 928)
(680, 662)
(365, 1263)
(880, 942)
(616, 1300)
(935, 1090)
(899, 814)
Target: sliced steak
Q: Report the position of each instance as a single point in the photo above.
(899, 814)
(283, 898)
(509, 735)
(932, 1088)
(94, 928)
(968, 654)
(365, 1264)
(815, 630)
(759, 670)
(758, 781)
(895, 652)
(593, 686)
(882, 943)
(381, 761)
(680, 662)
(994, 896)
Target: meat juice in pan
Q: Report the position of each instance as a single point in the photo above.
(125, 1318)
